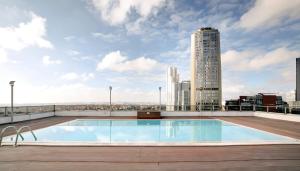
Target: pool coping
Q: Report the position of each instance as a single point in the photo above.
(292, 141)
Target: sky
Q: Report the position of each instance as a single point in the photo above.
(71, 51)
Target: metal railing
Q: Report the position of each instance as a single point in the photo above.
(19, 133)
(6, 128)
(24, 110)
(6, 111)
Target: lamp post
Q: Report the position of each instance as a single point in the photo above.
(110, 88)
(12, 98)
(159, 88)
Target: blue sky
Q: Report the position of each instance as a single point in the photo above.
(71, 51)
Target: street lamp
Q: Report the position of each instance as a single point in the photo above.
(110, 88)
(159, 88)
(12, 98)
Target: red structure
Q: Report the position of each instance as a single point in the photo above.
(269, 100)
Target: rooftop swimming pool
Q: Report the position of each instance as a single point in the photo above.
(154, 132)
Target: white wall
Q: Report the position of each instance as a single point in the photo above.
(207, 113)
(18, 118)
(96, 113)
(163, 113)
(288, 117)
(279, 116)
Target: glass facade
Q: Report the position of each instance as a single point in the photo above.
(206, 90)
(172, 88)
(184, 94)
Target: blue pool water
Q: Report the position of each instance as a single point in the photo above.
(150, 131)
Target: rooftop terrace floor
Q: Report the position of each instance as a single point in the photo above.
(249, 157)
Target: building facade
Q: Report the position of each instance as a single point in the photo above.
(260, 102)
(297, 79)
(172, 89)
(184, 95)
(206, 84)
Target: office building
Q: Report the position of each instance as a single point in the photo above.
(184, 95)
(297, 79)
(172, 89)
(206, 86)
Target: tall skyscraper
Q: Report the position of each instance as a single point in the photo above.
(297, 79)
(172, 89)
(206, 85)
(184, 95)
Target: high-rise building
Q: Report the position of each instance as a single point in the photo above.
(172, 89)
(206, 86)
(297, 79)
(184, 95)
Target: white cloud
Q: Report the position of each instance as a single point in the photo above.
(3, 56)
(48, 61)
(232, 88)
(69, 38)
(84, 58)
(72, 52)
(251, 60)
(135, 27)
(79, 77)
(107, 37)
(115, 61)
(182, 50)
(117, 11)
(266, 13)
(25, 35)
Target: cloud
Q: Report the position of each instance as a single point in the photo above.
(79, 77)
(232, 88)
(252, 60)
(135, 26)
(3, 56)
(84, 58)
(115, 61)
(107, 37)
(182, 50)
(72, 52)
(25, 35)
(266, 14)
(69, 38)
(48, 61)
(117, 11)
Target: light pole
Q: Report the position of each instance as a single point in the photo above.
(110, 88)
(159, 88)
(12, 98)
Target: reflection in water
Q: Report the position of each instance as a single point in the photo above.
(171, 128)
(208, 131)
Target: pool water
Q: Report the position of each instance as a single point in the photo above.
(150, 131)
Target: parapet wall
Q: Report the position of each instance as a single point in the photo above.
(270, 115)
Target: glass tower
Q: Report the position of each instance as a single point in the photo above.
(206, 85)
(172, 89)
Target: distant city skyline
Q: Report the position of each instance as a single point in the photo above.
(72, 51)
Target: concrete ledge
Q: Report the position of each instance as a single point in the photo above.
(4, 120)
(163, 113)
(95, 113)
(270, 115)
(278, 116)
(207, 113)
(19, 118)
